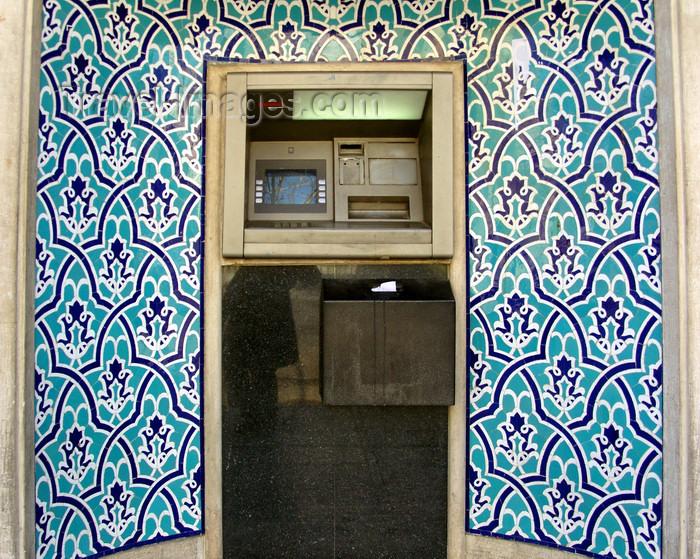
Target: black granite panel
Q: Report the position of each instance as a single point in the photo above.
(304, 480)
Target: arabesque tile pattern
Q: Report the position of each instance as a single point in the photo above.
(565, 309)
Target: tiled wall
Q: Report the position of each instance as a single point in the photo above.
(565, 356)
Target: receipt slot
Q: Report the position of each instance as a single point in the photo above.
(389, 345)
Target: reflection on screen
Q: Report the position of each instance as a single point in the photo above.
(290, 186)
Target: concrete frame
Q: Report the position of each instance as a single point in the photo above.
(678, 42)
(672, 265)
(678, 77)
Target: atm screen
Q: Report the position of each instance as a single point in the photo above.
(289, 186)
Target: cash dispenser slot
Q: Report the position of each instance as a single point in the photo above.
(378, 207)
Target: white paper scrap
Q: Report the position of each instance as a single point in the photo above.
(385, 287)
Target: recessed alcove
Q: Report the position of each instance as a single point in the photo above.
(289, 475)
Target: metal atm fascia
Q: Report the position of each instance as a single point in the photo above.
(366, 240)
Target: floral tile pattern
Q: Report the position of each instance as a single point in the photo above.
(565, 309)
(565, 306)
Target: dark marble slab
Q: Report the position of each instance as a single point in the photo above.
(361, 482)
(303, 480)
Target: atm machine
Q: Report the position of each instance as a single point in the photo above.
(368, 189)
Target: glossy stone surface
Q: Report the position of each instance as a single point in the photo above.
(336, 482)
(302, 479)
